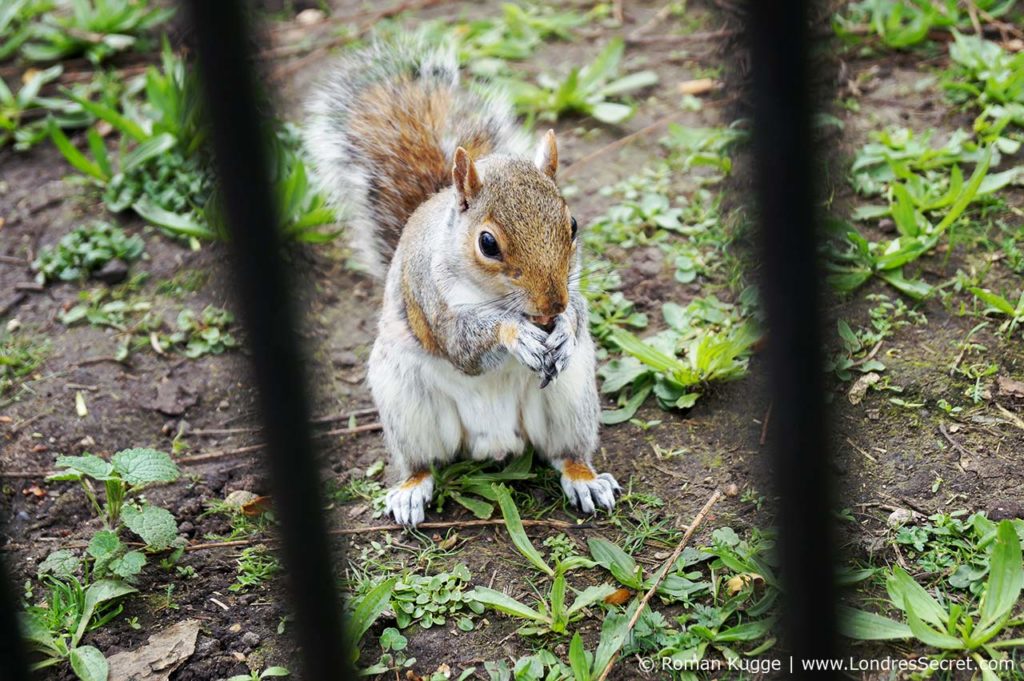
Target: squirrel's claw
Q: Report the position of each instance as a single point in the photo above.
(558, 349)
(407, 502)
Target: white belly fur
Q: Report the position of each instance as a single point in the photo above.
(432, 412)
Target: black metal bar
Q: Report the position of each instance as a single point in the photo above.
(786, 200)
(13, 662)
(238, 136)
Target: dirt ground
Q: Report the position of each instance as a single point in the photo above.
(886, 456)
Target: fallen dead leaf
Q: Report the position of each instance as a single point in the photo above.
(1010, 387)
(160, 656)
(743, 580)
(860, 387)
(256, 507)
(618, 597)
(698, 86)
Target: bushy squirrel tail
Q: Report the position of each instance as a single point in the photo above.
(382, 131)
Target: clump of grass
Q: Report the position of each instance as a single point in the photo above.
(256, 566)
(20, 355)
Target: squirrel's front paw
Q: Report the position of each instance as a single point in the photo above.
(558, 349)
(526, 343)
(586, 489)
(407, 502)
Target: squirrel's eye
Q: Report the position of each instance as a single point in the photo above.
(573, 228)
(489, 245)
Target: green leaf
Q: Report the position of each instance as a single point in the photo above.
(104, 546)
(906, 594)
(612, 113)
(559, 617)
(181, 225)
(105, 113)
(929, 636)
(867, 626)
(578, 659)
(129, 565)
(156, 526)
(995, 300)
(506, 604)
(151, 148)
(903, 213)
(141, 466)
(1005, 577)
(88, 464)
(73, 156)
(968, 193)
(614, 631)
(481, 509)
(748, 631)
(60, 563)
(515, 529)
(618, 562)
(591, 595)
(99, 592)
(915, 288)
(89, 664)
(275, 671)
(368, 609)
(634, 81)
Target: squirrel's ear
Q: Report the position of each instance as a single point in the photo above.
(464, 175)
(546, 158)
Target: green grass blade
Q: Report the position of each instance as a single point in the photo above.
(967, 195)
(73, 156)
(515, 529)
(105, 113)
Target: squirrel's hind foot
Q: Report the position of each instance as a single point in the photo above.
(407, 502)
(587, 490)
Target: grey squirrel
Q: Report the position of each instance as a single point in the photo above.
(483, 345)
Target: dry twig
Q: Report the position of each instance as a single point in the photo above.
(698, 519)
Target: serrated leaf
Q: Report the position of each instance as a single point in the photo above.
(87, 464)
(156, 526)
(141, 466)
(60, 563)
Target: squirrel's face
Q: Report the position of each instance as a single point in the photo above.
(518, 234)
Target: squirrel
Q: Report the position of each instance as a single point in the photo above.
(480, 258)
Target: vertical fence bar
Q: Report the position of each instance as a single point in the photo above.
(13, 663)
(229, 85)
(786, 203)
